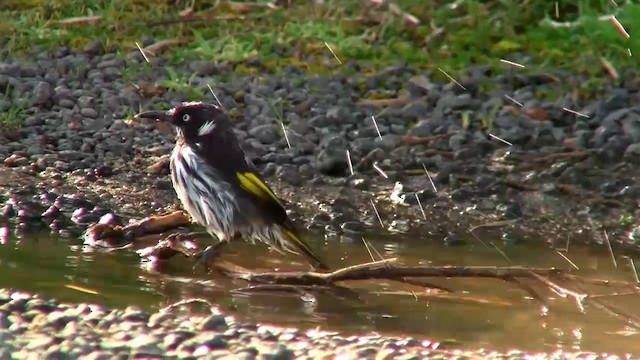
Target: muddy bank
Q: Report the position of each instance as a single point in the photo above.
(67, 204)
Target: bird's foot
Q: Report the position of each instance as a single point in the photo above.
(208, 254)
(182, 236)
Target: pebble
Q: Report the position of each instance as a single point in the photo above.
(172, 336)
(16, 161)
(330, 122)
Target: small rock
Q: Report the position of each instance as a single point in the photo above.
(89, 112)
(204, 68)
(281, 352)
(145, 345)
(266, 134)
(110, 219)
(631, 127)
(337, 114)
(66, 103)
(632, 153)
(51, 213)
(33, 121)
(16, 161)
(415, 110)
(43, 93)
(104, 171)
(330, 163)
(214, 323)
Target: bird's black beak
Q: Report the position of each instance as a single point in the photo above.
(155, 115)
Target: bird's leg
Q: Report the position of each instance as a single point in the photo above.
(211, 252)
(197, 234)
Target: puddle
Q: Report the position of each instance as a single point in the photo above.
(491, 314)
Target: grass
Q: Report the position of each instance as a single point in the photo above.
(11, 118)
(471, 31)
(179, 83)
(450, 35)
(14, 115)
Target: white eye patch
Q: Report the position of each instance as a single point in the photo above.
(206, 128)
(186, 117)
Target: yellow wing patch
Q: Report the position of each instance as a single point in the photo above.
(251, 183)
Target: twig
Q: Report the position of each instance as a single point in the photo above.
(578, 155)
(99, 233)
(630, 319)
(379, 270)
(162, 45)
(170, 307)
(494, 224)
(418, 140)
(91, 20)
(399, 101)
(578, 298)
(612, 310)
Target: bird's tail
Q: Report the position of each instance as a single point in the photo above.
(295, 244)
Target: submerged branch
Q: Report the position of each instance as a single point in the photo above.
(381, 270)
(145, 237)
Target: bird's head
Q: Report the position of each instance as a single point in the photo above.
(193, 120)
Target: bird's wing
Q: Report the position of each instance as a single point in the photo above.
(246, 177)
(251, 182)
(237, 169)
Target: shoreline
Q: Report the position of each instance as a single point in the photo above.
(36, 326)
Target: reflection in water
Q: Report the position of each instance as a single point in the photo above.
(482, 313)
(577, 333)
(392, 249)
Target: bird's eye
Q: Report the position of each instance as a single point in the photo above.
(186, 117)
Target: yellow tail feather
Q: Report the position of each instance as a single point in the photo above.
(302, 246)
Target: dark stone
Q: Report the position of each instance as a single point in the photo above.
(332, 164)
(104, 171)
(214, 323)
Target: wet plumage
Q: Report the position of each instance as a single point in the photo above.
(219, 186)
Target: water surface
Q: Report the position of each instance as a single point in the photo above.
(484, 313)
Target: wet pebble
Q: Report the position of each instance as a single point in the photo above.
(83, 216)
(40, 328)
(8, 210)
(52, 212)
(16, 161)
(110, 219)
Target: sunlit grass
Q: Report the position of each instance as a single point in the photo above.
(471, 31)
(11, 118)
(451, 35)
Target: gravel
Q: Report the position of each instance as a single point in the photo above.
(78, 159)
(35, 327)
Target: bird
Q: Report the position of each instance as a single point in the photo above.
(220, 187)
